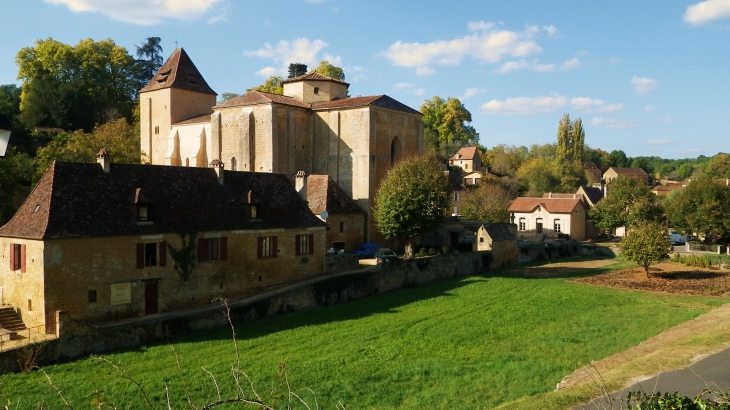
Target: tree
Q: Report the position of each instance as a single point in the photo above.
(325, 68)
(718, 166)
(76, 87)
(488, 203)
(119, 138)
(618, 159)
(412, 199)
(643, 163)
(297, 69)
(701, 207)
(645, 243)
(569, 153)
(149, 59)
(628, 202)
(445, 125)
(227, 96)
(505, 159)
(271, 85)
(539, 175)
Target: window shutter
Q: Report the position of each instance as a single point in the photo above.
(223, 248)
(140, 255)
(163, 253)
(311, 244)
(12, 256)
(260, 247)
(274, 247)
(297, 245)
(22, 258)
(202, 254)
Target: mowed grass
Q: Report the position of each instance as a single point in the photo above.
(475, 342)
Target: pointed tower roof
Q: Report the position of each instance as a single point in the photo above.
(179, 72)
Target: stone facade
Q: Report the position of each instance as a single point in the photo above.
(536, 217)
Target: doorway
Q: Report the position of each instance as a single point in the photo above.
(150, 297)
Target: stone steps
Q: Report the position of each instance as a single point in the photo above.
(11, 320)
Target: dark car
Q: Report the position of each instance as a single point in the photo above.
(366, 250)
(385, 255)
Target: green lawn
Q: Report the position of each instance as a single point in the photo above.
(467, 343)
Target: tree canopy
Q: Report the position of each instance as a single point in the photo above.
(645, 243)
(627, 203)
(701, 207)
(297, 69)
(325, 68)
(271, 85)
(488, 203)
(569, 153)
(149, 60)
(446, 125)
(412, 199)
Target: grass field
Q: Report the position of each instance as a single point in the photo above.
(475, 342)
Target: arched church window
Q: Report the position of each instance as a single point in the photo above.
(395, 151)
(234, 166)
(187, 162)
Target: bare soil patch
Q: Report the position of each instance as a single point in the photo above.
(666, 277)
(560, 268)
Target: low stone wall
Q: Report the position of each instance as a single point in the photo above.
(341, 263)
(77, 339)
(536, 252)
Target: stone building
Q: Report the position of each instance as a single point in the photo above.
(549, 216)
(314, 127)
(110, 241)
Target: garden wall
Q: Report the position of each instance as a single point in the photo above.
(537, 252)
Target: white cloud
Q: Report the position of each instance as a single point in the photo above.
(418, 91)
(665, 118)
(486, 44)
(403, 86)
(707, 11)
(512, 66)
(300, 50)
(410, 88)
(546, 104)
(644, 85)
(658, 141)
(650, 108)
(140, 11)
(470, 92)
(613, 123)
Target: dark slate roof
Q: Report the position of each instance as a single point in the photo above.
(313, 77)
(179, 72)
(260, 97)
(375, 100)
(75, 200)
(499, 231)
(323, 194)
(594, 194)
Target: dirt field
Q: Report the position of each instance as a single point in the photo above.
(561, 268)
(667, 277)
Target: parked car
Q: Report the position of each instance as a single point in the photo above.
(366, 250)
(677, 239)
(384, 255)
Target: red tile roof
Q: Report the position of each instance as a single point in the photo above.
(178, 72)
(629, 171)
(591, 167)
(313, 77)
(194, 120)
(552, 205)
(465, 153)
(323, 194)
(260, 97)
(382, 101)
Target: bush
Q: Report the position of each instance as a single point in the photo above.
(702, 261)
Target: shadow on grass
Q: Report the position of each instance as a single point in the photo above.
(556, 269)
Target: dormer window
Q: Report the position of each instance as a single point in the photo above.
(316, 90)
(254, 212)
(142, 213)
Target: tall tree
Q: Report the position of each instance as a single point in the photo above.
(325, 68)
(488, 203)
(645, 243)
(702, 207)
(227, 96)
(297, 69)
(271, 85)
(627, 203)
(569, 153)
(718, 166)
(412, 199)
(76, 87)
(539, 175)
(446, 125)
(149, 59)
(619, 159)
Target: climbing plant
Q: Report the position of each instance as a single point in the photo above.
(184, 256)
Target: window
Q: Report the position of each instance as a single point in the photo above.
(142, 213)
(151, 254)
(456, 197)
(212, 249)
(92, 295)
(316, 90)
(234, 165)
(556, 225)
(538, 225)
(30, 305)
(267, 247)
(254, 212)
(157, 129)
(304, 244)
(523, 224)
(17, 257)
(466, 166)
(342, 227)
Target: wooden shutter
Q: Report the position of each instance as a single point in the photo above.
(22, 258)
(223, 243)
(274, 247)
(12, 256)
(260, 247)
(297, 245)
(163, 253)
(311, 244)
(202, 251)
(140, 255)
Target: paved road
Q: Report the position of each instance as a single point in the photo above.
(712, 371)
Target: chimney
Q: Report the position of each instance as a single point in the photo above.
(102, 158)
(300, 184)
(217, 166)
(550, 194)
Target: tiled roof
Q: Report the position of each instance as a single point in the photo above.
(465, 153)
(593, 194)
(323, 194)
(178, 72)
(552, 205)
(313, 77)
(375, 100)
(75, 200)
(499, 231)
(260, 97)
(628, 171)
(194, 120)
(591, 167)
(559, 195)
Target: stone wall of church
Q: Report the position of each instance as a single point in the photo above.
(293, 140)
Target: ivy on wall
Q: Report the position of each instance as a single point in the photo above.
(184, 256)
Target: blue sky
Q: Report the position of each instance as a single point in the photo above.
(648, 77)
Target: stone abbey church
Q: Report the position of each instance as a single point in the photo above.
(313, 129)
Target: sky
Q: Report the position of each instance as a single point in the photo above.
(647, 77)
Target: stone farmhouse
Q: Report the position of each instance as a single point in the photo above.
(635, 173)
(111, 241)
(314, 128)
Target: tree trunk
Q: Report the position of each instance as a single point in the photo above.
(409, 249)
(646, 269)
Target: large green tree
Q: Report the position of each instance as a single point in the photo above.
(149, 60)
(446, 125)
(76, 87)
(412, 199)
(540, 175)
(702, 207)
(488, 203)
(645, 243)
(718, 166)
(569, 153)
(297, 69)
(627, 203)
(271, 85)
(325, 68)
